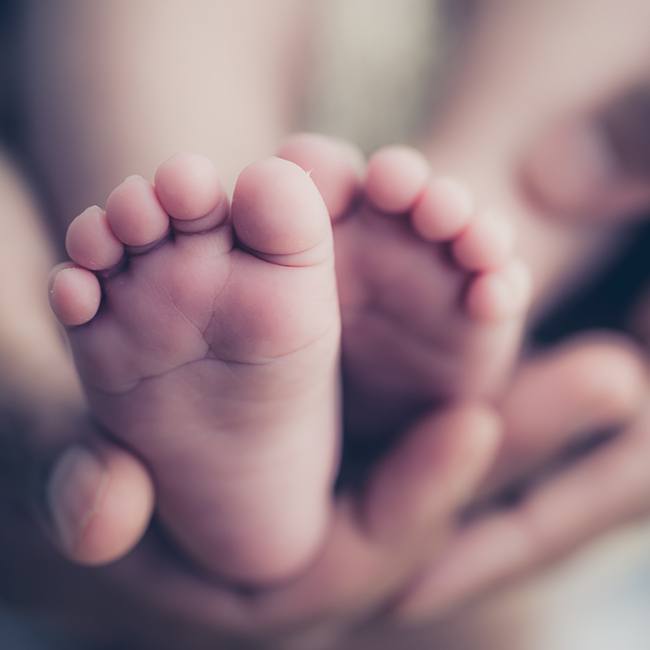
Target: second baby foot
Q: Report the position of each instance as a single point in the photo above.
(207, 339)
(432, 297)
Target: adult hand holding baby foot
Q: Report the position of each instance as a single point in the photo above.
(375, 537)
(340, 603)
(558, 400)
(148, 568)
(328, 595)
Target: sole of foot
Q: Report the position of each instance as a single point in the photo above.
(433, 298)
(207, 339)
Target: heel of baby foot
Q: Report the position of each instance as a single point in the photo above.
(251, 557)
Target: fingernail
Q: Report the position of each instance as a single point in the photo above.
(74, 493)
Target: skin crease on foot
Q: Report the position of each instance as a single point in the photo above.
(35, 566)
(346, 578)
(432, 296)
(207, 340)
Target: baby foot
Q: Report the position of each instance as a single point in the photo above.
(207, 340)
(432, 298)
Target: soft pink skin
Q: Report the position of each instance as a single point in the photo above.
(432, 298)
(100, 499)
(216, 361)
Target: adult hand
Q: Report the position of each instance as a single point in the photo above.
(383, 536)
(584, 386)
(378, 538)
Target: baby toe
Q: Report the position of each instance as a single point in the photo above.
(395, 178)
(90, 242)
(190, 191)
(499, 295)
(334, 165)
(443, 210)
(135, 215)
(75, 294)
(278, 211)
(485, 244)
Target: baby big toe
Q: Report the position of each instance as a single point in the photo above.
(278, 213)
(334, 165)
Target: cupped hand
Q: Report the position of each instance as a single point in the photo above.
(380, 534)
(591, 384)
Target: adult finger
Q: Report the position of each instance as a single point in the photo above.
(99, 499)
(609, 487)
(590, 384)
(93, 498)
